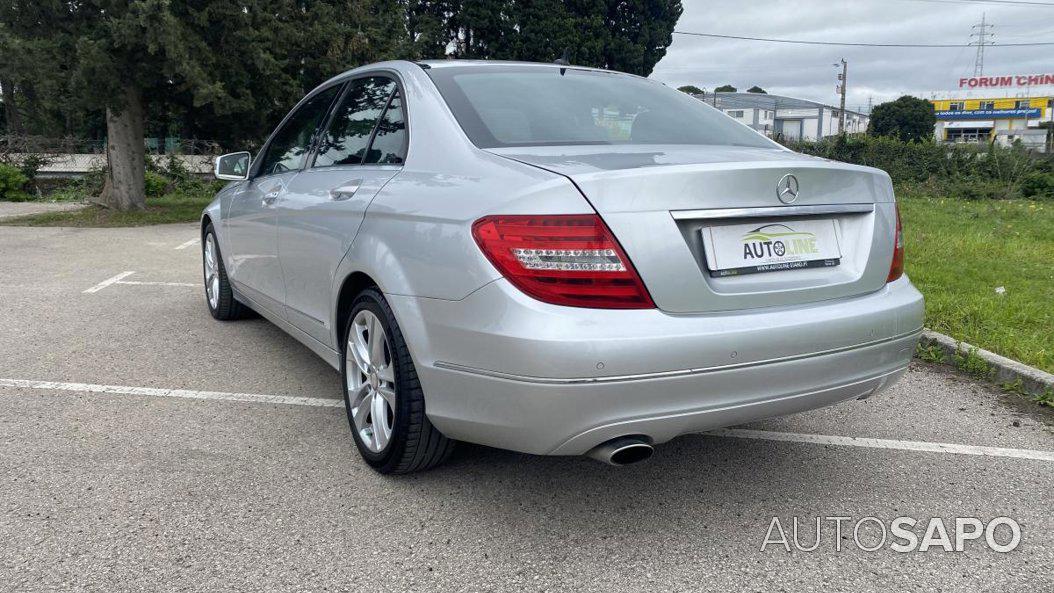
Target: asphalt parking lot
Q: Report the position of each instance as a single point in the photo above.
(220, 486)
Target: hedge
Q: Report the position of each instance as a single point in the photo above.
(987, 171)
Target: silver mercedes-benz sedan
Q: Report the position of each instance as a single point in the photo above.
(557, 260)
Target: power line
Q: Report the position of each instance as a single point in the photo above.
(1003, 2)
(851, 44)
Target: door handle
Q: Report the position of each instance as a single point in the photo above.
(270, 197)
(344, 192)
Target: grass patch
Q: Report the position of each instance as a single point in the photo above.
(179, 205)
(933, 353)
(960, 252)
(972, 364)
(1045, 399)
(1017, 387)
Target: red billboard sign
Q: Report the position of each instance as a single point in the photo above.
(1012, 80)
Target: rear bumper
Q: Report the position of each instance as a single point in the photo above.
(501, 369)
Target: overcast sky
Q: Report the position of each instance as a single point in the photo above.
(882, 73)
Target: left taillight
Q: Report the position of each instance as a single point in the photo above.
(896, 267)
(569, 259)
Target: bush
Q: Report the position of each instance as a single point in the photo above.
(184, 181)
(954, 170)
(157, 184)
(29, 166)
(1038, 185)
(976, 189)
(904, 161)
(12, 184)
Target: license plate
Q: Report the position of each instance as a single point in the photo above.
(737, 249)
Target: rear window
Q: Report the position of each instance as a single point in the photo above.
(501, 106)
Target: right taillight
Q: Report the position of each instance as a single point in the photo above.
(571, 260)
(896, 268)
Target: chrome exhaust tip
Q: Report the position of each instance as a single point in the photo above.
(622, 451)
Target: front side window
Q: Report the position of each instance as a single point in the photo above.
(347, 137)
(501, 106)
(292, 141)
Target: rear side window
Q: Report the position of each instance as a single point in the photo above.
(290, 143)
(389, 142)
(500, 106)
(354, 120)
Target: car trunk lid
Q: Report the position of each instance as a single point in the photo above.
(681, 213)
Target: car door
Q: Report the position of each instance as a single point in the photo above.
(363, 146)
(252, 230)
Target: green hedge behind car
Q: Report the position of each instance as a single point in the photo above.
(954, 170)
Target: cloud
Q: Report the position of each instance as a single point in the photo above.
(881, 74)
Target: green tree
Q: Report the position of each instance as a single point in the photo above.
(264, 61)
(756, 89)
(218, 70)
(625, 35)
(223, 69)
(34, 68)
(726, 88)
(691, 89)
(907, 118)
(131, 55)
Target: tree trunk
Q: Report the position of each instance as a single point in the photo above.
(11, 114)
(125, 154)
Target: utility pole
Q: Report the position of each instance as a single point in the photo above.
(1050, 125)
(842, 79)
(981, 31)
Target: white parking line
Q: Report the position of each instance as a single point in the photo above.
(815, 439)
(120, 279)
(181, 393)
(108, 282)
(822, 439)
(139, 283)
(188, 244)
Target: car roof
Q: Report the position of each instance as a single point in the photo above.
(481, 64)
(506, 63)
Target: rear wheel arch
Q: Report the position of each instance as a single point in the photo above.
(206, 220)
(350, 288)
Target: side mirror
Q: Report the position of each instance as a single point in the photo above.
(233, 166)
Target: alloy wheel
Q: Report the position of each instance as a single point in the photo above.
(212, 272)
(371, 381)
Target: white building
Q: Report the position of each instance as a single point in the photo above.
(792, 118)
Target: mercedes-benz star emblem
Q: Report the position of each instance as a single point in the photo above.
(787, 188)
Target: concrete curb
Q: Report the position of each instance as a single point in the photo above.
(1033, 380)
(10, 210)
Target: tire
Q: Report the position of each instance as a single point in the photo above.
(223, 306)
(392, 439)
